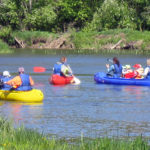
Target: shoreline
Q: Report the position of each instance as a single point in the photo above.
(107, 40)
(24, 138)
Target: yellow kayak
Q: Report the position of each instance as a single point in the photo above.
(24, 96)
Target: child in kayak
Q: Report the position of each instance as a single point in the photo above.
(116, 68)
(5, 78)
(138, 71)
(127, 72)
(134, 74)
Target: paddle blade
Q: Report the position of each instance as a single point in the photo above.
(39, 69)
(76, 81)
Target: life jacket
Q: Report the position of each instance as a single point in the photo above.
(57, 69)
(117, 71)
(129, 75)
(25, 86)
(6, 86)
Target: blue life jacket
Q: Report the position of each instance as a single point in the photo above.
(148, 75)
(25, 86)
(6, 86)
(117, 71)
(57, 69)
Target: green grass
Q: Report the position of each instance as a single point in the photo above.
(85, 40)
(27, 139)
(96, 40)
(30, 36)
(4, 48)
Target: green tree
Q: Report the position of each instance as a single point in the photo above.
(112, 15)
(75, 12)
(41, 19)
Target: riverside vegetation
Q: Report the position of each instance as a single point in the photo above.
(26, 139)
(80, 24)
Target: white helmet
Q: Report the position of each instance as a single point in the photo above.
(6, 74)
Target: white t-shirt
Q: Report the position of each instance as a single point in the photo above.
(146, 71)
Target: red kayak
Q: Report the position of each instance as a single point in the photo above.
(60, 80)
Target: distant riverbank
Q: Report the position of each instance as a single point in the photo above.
(107, 40)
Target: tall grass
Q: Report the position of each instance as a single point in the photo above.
(27, 139)
(4, 48)
(97, 40)
(30, 36)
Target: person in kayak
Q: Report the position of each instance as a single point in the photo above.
(116, 68)
(146, 73)
(61, 68)
(5, 78)
(138, 71)
(22, 82)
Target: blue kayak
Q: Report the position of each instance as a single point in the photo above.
(102, 78)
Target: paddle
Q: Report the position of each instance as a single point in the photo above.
(40, 69)
(109, 60)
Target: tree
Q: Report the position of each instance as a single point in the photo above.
(112, 15)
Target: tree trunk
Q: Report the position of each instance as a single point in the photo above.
(30, 5)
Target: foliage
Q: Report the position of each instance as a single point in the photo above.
(41, 19)
(112, 15)
(3, 46)
(75, 13)
(58, 16)
(26, 139)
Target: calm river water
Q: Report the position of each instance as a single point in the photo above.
(89, 109)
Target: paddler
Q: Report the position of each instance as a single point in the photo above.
(5, 78)
(61, 68)
(22, 82)
(116, 68)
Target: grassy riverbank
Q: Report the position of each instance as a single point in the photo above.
(27, 139)
(110, 40)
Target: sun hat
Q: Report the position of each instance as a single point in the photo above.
(127, 67)
(137, 66)
(6, 74)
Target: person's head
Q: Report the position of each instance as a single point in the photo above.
(21, 70)
(63, 59)
(116, 61)
(127, 67)
(6, 74)
(148, 62)
(137, 66)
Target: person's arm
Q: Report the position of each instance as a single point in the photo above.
(146, 71)
(110, 69)
(31, 81)
(15, 82)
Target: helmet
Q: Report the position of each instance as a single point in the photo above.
(6, 74)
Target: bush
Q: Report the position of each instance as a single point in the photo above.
(112, 15)
(41, 19)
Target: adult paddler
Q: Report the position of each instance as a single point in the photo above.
(62, 69)
(115, 68)
(22, 82)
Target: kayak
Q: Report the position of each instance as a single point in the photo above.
(34, 95)
(60, 80)
(102, 78)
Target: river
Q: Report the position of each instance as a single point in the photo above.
(87, 109)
